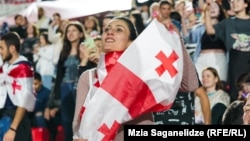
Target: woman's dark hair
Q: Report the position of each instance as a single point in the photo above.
(131, 27)
(248, 6)
(67, 44)
(243, 78)
(57, 14)
(35, 30)
(139, 25)
(46, 37)
(222, 14)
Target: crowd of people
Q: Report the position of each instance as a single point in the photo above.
(54, 65)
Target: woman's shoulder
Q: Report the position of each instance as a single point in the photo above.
(87, 73)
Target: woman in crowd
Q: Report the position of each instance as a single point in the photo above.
(117, 37)
(219, 99)
(211, 50)
(67, 74)
(123, 32)
(235, 33)
(43, 56)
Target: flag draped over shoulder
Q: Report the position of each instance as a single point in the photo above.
(146, 78)
(16, 81)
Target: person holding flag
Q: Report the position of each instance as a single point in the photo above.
(16, 91)
(125, 88)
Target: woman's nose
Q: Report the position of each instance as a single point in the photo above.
(110, 31)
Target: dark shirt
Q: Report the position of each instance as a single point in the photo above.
(217, 113)
(211, 42)
(20, 30)
(9, 104)
(42, 99)
(89, 65)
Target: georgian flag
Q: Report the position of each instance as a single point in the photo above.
(16, 80)
(146, 78)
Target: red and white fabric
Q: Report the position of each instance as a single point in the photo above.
(18, 1)
(145, 78)
(16, 81)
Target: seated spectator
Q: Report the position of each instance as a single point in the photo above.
(42, 95)
(219, 99)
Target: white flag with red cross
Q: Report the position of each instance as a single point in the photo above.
(145, 78)
(16, 81)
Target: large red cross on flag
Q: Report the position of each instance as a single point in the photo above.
(145, 78)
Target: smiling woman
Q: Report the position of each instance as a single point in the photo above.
(117, 36)
(125, 88)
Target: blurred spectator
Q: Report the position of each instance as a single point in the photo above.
(145, 12)
(243, 84)
(153, 12)
(43, 21)
(42, 95)
(92, 26)
(137, 20)
(43, 58)
(106, 19)
(29, 42)
(18, 27)
(4, 29)
(55, 35)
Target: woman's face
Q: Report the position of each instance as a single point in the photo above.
(208, 79)
(245, 87)
(42, 40)
(116, 36)
(215, 10)
(73, 34)
(30, 29)
(89, 23)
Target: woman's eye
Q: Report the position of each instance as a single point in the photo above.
(119, 30)
(106, 30)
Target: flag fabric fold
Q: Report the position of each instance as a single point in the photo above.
(146, 78)
(16, 81)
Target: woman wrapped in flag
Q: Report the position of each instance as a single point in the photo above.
(135, 76)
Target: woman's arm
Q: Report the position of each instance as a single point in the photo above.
(205, 104)
(209, 27)
(81, 93)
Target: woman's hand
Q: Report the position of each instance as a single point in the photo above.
(46, 114)
(53, 112)
(84, 54)
(94, 55)
(90, 54)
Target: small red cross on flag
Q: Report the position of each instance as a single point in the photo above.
(15, 86)
(104, 129)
